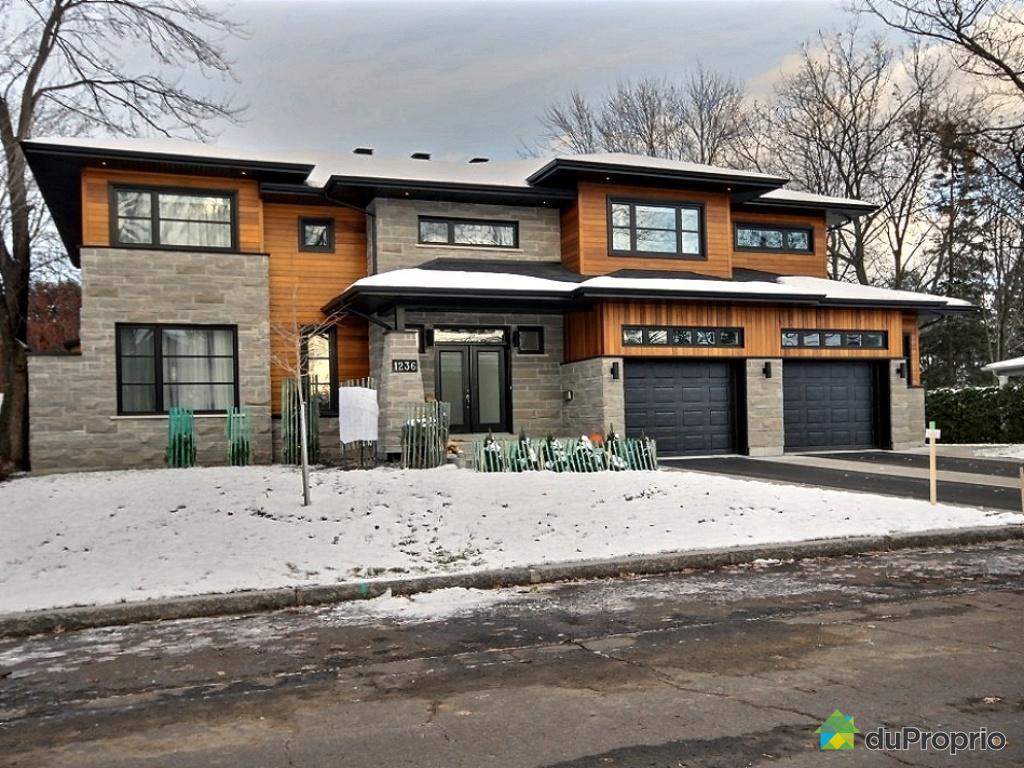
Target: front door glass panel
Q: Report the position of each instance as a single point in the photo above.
(489, 386)
(451, 364)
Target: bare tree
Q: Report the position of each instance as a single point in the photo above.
(62, 68)
(698, 120)
(712, 117)
(289, 355)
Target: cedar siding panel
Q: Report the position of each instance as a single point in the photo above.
(813, 264)
(599, 331)
(593, 247)
(301, 282)
(96, 202)
(912, 328)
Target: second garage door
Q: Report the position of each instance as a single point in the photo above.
(829, 405)
(688, 407)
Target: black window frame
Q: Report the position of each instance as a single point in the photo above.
(517, 338)
(451, 221)
(158, 363)
(332, 344)
(717, 330)
(305, 221)
(154, 217)
(844, 333)
(679, 206)
(738, 225)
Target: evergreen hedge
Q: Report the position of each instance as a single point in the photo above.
(978, 414)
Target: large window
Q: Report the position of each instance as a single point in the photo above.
(757, 237)
(478, 232)
(321, 369)
(160, 367)
(656, 229)
(166, 218)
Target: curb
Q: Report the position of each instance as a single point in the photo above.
(200, 606)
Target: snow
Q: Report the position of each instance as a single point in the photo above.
(460, 280)
(809, 288)
(645, 162)
(795, 196)
(118, 536)
(1000, 452)
(1002, 366)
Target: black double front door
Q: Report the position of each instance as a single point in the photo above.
(473, 379)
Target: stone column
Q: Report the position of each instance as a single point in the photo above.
(765, 426)
(906, 411)
(598, 399)
(395, 391)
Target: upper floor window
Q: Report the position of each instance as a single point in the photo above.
(479, 232)
(316, 235)
(172, 218)
(160, 367)
(656, 229)
(757, 237)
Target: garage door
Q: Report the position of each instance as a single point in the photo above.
(829, 404)
(688, 407)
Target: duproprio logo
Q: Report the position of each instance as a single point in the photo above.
(836, 733)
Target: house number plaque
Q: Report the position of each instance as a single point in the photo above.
(405, 366)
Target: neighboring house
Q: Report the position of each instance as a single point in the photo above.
(1006, 369)
(563, 296)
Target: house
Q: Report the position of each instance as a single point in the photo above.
(837, 733)
(1005, 370)
(686, 302)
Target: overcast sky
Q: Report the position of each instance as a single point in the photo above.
(469, 78)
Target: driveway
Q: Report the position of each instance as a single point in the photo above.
(976, 482)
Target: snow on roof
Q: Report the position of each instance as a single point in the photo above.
(999, 366)
(842, 291)
(795, 196)
(514, 174)
(465, 281)
(663, 164)
(688, 285)
(792, 288)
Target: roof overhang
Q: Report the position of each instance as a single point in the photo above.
(565, 173)
(357, 190)
(57, 171)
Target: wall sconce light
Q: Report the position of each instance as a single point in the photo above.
(766, 370)
(567, 395)
(902, 370)
(615, 371)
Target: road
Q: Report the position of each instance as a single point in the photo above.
(729, 668)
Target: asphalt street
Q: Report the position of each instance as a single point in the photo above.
(729, 668)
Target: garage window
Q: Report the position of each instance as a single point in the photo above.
(663, 336)
(803, 339)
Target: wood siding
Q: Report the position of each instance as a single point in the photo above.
(301, 282)
(599, 331)
(96, 202)
(585, 246)
(813, 264)
(911, 327)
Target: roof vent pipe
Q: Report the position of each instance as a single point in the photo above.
(362, 151)
(420, 155)
(479, 159)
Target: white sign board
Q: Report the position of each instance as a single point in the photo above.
(932, 434)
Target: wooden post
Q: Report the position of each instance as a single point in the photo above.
(1022, 489)
(932, 435)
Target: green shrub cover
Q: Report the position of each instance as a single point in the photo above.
(978, 414)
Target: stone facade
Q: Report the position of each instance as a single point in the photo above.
(395, 391)
(394, 242)
(73, 399)
(765, 428)
(906, 411)
(598, 400)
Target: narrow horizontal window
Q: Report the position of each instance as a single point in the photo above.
(792, 338)
(757, 237)
(635, 336)
(668, 230)
(472, 232)
(162, 218)
(162, 367)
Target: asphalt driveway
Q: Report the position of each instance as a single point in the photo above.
(976, 482)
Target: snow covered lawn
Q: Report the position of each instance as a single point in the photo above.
(113, 536)
(1000, 451)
